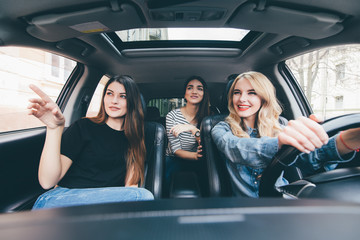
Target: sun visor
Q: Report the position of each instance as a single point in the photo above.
(312, 25)
(57, 27)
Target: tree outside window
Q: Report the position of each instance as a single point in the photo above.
(328, 74)
(340, 72)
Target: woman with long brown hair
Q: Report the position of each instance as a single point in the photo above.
(183, 130)
(96, 160)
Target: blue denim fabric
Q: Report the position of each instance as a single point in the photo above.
(65, 197)
(246, 158)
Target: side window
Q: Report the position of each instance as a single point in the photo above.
(165, 105)
(23, 66)
(330, 79)
(94, 105)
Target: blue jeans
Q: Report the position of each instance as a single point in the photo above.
(65, 197)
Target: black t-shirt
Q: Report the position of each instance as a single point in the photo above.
(98, 153)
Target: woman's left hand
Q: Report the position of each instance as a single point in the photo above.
(305, 134)
(177, 129)
(199, 152)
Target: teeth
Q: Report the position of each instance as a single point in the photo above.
(243, 106)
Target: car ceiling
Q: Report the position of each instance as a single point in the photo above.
(285, 28)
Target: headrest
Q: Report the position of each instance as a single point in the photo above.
(224, 98)
(152, 114)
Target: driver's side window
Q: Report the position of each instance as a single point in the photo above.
(330, 79)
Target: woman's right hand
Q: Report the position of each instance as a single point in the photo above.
(177, 129)
(305, 134)
(46, 110)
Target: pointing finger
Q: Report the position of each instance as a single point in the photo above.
(40, 93)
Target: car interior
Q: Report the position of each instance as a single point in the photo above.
(104, 38)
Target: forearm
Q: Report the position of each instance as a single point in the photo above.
(186, 154)
(253, 152)
(50, 161)
(349, 141)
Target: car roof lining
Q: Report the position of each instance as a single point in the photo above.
(312, 25)
(59, 26)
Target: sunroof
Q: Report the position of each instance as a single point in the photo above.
(158, 34)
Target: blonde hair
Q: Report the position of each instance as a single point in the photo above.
(267, 119)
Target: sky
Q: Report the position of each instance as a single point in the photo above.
(207, 33)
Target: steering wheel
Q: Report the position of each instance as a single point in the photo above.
(287, 155)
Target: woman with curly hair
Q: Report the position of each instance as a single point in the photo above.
(251, 135)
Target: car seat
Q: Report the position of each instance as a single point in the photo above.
(155, 142)
(155, 161)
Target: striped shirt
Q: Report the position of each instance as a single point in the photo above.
(185, 141)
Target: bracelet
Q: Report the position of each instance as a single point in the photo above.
(342, 140)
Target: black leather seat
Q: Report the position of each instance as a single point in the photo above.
(155, 160)
(218, 176)
(155, 142)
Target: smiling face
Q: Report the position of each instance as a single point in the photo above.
(115, 102)
(246, 102)
(194, 92)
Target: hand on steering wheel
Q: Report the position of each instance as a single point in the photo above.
(287, 154)
(304, 134)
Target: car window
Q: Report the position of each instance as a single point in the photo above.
(23, 66)
(165, 105)
(330, 79)
(94, 105)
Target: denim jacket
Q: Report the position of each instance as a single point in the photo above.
(246, 158)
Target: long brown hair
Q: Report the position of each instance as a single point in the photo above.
(204, 106)
(267, 121)
(133, 128)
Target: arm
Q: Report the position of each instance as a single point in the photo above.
(53, 165)
(309, 137)
(306, 135)
(252, 152)
(189, 155)
(348, 141)
(179, 128)
(173, 130)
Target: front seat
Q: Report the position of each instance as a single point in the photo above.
(218, 176)
(155, 141)
(220, 181)
(155, 151)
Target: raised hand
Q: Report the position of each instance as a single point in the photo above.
(305, 134)
(45, 109)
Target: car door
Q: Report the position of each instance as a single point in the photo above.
(22, 136)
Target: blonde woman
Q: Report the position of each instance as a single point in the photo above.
(251, 135)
